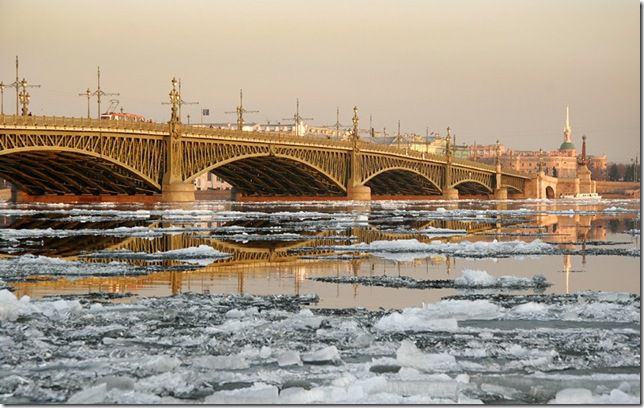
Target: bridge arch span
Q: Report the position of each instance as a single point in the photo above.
(265, 154)
(512, 189)
(65, 170)
(471, 186)
(402, 181)
(263, 174)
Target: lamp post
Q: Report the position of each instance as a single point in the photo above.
(2, 87)
(24, 98)
(87, 94)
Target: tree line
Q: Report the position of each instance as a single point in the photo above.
(624, 172)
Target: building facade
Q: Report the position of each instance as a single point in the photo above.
(560, 163)
(210, 181)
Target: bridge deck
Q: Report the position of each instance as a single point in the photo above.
(138, 155)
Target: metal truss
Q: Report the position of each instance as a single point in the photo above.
(471, 181)
(48, 155)
(512, 182)
(79, 162)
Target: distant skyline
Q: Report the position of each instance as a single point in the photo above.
(489, 69)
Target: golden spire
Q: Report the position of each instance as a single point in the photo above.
(567, 129)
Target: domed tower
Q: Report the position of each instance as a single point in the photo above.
(567, 145)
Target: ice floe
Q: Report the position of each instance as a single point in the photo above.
(176, 350)
(28, 266)
(470, 279)
(409, 249)
(199, 252)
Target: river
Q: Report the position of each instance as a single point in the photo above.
(385, 302)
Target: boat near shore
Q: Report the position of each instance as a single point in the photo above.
(583, 196)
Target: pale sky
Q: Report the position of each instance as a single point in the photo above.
(489, 69)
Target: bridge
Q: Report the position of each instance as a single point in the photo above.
(43, 155)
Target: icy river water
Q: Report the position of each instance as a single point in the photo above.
(387, 302)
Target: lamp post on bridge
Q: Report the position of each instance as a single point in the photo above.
(16, 84)
(24, 98)
(500, 193)
(2, 87)
(240, 110)
(398, 137)
(88, 94)
(175, 103)
(99, 92)
(173, 187)
(337, 122)
(297, 119)
(449, 192)
(355, 189)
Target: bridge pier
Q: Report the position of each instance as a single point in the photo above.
(359, 193)
(178, 192)
(450, 194)
(501, 193)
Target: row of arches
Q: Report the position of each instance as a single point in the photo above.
(39, 171)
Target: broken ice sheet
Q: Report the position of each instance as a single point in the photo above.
(470, 279)
(242, 349)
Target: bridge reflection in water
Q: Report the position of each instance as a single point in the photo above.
(273, 267)
(253, 260)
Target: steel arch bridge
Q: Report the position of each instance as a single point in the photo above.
(43, 155)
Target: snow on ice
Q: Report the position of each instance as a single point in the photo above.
(471, 279)
(277, 349)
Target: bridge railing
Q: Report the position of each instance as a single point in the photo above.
(62, 122)
(264, 137)
(312, 140)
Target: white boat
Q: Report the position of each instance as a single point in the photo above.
(583, 196)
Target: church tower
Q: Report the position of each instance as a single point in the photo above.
(567, 133)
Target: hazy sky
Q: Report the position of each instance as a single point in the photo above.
(490, 69)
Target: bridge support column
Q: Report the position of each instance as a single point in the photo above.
(501, 194)
(450, 194)
(359, 193)
(355, 189)
(14, 194)
(235, 195)
(178, 192)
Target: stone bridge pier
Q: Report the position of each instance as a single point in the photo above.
(542, 186)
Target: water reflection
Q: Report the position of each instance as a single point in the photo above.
(269, 254)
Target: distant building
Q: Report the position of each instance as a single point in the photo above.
(560, 163)
(436, 144)
(211, 181)
(302, 128)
